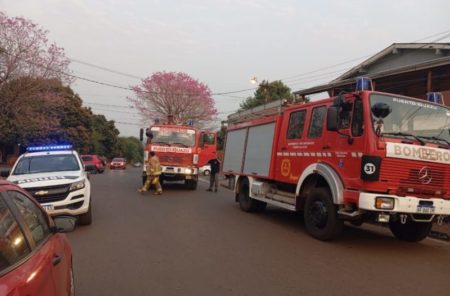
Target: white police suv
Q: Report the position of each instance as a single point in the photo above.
(57, 179)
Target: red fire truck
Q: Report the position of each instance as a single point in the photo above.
(181, 149)
(364, 156)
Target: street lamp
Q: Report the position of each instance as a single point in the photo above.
(254, 80)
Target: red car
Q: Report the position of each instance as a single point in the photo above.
(35, 257)
(118, 163)
(94, 160)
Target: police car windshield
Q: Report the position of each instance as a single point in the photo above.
(46, 163)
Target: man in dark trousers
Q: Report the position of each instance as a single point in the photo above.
(214, 177)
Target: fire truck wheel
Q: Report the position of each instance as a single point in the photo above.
(191, 184)
(321, 218)
(410, 231)
(246, 203)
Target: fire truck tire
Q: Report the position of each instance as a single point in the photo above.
(246, 203)
(191, 184)
(86, 218)
(410, 231)
(320, 215)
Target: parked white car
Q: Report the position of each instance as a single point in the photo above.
(205, 170)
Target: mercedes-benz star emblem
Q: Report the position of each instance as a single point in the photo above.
(425, 175)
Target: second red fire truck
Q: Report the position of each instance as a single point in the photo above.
(360, 156)
(181, 149)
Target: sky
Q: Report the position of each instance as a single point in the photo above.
(222, 43)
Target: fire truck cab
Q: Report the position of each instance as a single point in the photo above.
(357, 157)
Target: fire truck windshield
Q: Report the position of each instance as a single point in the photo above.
(173, 137)
(414, 118)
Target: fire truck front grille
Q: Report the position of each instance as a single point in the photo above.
(49, 193)
(166, 159)
(424, 177)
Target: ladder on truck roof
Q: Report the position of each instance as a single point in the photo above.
(268, 109)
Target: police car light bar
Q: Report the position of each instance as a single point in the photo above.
(49, 148)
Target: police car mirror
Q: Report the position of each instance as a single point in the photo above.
(332, 118)
(381, 110)
(4, 173)
(64, 223)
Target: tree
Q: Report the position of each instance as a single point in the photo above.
(25, 51)
(42, 111)
(268, 92)
(130, 148)
(177, 94)
(104, 136)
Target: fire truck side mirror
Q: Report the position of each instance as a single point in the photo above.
(202, 139)
(381, 110)
(332, 118)
(141, 134)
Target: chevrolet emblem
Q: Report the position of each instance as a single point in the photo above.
(41, 193)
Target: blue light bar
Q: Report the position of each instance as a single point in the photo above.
(49, 148)
(363, 83)
(190, 122)
(435, 97)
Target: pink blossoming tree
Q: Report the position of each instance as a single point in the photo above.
(177, 94)
(26, 52)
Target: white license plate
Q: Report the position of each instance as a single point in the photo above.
(188, 177)
(48, 208)
(425, 210)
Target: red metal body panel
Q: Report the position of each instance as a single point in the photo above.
(36, 274)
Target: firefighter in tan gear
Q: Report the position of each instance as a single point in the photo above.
(153, 173)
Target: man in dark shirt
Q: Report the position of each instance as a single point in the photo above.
(214, 177)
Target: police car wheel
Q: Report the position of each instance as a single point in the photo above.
(86, 218)
(321, 217)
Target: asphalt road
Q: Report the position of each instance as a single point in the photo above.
(200, 243)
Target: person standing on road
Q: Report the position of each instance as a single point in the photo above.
(153, 173)
(214, 176)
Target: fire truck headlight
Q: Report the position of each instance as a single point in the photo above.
(384, 203)
(188, 171)
(77, 185)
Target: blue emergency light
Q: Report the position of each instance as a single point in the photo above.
(49, 148)
(190, 122)
(363, 83)
(435, 97)
(156, 120)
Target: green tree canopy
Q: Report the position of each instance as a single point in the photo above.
(130, 148)
(42, 111)
(104, 136)
(268, 92)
